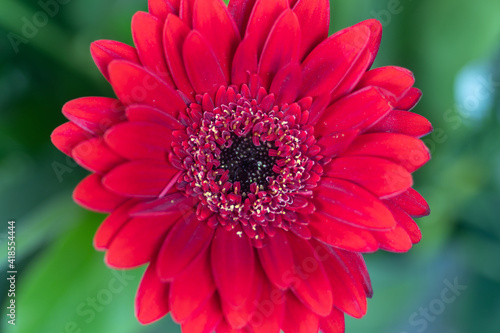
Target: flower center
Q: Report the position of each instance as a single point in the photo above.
(251, 162)
(247, 164)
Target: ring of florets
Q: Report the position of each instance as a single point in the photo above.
(248, 160)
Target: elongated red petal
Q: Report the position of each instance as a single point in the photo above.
(151, 302)
(135, 85)
(405, 221)
(203, 68)
(326, 66)
(147, 31)
(349, 294)
(209, 317)
(144, 113)
(334, 144)
(91, 194)
(285, 85)
(380, 176)
(402, 149)
(277, 259)
(409, 100)
(145, 179)
(281, 48)
(95, 155)
(67, 136)
(138, 241)
(185, 242)
(403, 122)
(112, 224)
(394, 79)
(330, 231)
(270, 311)
(94, 114)
(161, 8)
(210, 17)
(356, 265)
(351, 204)
(174, 35)
(140, 140)
(309, 282)
(333, 323)
(395, 240)
(240, 10)
(314, 17)
(233, 266)
(105, 51)
(192, 288)
(359, 110)
(412, 203)
(299, 319)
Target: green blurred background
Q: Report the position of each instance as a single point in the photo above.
(452, 46)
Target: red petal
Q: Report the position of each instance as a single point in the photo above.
(174, 35)
(395, 240)
(143, 113)
(245, 60)
(192, 288)
(359, 110)
(202, 66)
(405, 150)
(394, 79)
(94, 114)
(380, 176)
(140, 140)
(161, 8)
(238, 318)
(412, 203)
(67, 136)
(333, 323)
(91, 194)
(270, 310)
(210, 17)
(140, 178)
(151, 302)
(264, 15)
(342, 235)
(105, 51)
(356, 265)
(95, 155)
(285, 85)
(240, 10)
(348, 292)
(409, 100)
(233, 266)
(309, 281)
(166, 205)
(112, 224)
(186, 12)
(185, 242)
(210, 316)
(299, 319)
(138, 241)
(405, 221)
(314, 17)
(327, 65)
(281, 48)
(349, 203)
(334, 144)
(135, 85)
(147, 32)
(276, 259)
(403, 122)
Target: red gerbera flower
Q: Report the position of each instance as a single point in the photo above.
(249, 159)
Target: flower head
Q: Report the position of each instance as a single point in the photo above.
(249, 159)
